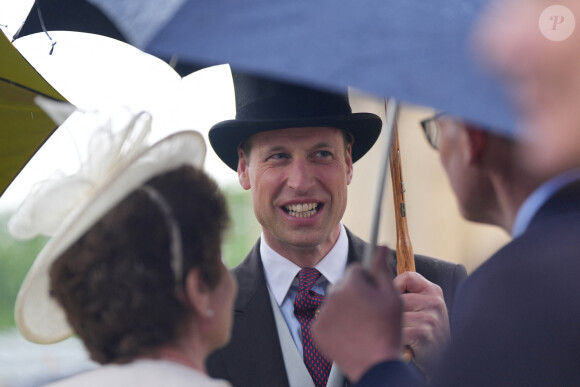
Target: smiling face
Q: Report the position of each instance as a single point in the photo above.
(298, 178)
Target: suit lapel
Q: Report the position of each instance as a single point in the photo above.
(356, 248)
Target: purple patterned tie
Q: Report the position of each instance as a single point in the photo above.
(306, 304)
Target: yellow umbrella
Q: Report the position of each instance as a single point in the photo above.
(23, 125)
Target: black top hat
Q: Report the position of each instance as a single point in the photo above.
(263, 104)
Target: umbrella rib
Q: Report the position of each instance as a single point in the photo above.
(29, 89)
(41, 19)
(392, 108)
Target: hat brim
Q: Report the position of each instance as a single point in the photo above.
(38, 316)
(225, 137)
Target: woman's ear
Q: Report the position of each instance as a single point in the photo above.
(198, 293)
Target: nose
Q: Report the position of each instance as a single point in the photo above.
(300, 175)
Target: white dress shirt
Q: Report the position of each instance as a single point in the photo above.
(281, 277)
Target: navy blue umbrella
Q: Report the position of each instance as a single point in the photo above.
(417, 51)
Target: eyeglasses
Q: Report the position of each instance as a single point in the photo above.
(431, 129)
(432, 126)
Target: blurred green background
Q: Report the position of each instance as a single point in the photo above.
(16, 256)
(15, 259)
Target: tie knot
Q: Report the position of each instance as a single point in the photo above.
(307, 278)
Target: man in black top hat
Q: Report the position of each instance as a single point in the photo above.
(294, 148)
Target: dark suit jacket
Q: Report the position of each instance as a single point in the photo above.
(253, 356)
(517, 318)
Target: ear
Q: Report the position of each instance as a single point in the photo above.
(197, 293)
(349, 168)
(243, 173)
(477, 140)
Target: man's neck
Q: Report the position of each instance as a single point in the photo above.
(511, 191)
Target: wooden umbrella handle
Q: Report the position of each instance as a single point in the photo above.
(405, 257)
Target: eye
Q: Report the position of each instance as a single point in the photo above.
(278, 156)
(323, 154)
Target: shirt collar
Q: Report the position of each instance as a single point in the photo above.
(280, 272)
(539, 197)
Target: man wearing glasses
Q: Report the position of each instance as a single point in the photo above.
(515, 321)
(489, 183)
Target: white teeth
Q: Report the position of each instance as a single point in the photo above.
(303, 210)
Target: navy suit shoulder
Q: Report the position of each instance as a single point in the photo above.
(516, 319)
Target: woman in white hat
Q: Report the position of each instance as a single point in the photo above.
(134, 265)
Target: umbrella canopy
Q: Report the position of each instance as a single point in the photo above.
(414, 50)
(24, 126)
(80, 16)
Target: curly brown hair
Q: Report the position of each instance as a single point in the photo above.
(116, 284)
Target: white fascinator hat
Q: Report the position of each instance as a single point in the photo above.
(64, 207)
